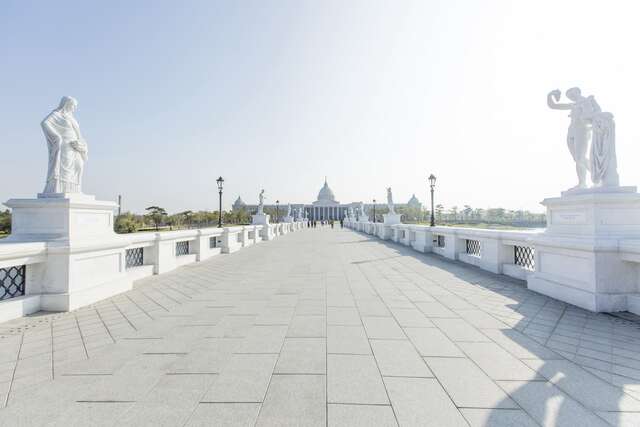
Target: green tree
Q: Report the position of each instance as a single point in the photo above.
(453, 211)
(467, 212)
(156, 214)
(128, 223)
(5, 221)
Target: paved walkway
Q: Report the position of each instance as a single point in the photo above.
(322, 327)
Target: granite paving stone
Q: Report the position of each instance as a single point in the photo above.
(347, 340)
(354, 379)
(422, 402)
(399, 358)
(467, 385)
(322, 327)
(340, 415)
(295, 400)
(302, 356)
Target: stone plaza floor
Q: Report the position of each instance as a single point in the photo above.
(322, 327)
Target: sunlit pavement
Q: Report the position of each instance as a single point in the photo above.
(322, 327)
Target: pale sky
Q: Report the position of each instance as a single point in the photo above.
(278, 94)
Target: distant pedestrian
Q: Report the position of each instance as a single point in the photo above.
(341, 223)
(331, 223)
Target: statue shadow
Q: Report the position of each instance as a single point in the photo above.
(570, 388)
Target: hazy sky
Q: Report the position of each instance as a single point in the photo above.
(278, 94)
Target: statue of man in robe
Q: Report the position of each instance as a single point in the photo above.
(261, 202)
(392, 209)
(584, 114)
(67, 149)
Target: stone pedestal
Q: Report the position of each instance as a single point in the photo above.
(85, 258)
(577, 259)
(260, 219)
(392, 219)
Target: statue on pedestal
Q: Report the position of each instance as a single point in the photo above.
(261, 202)
(392, 209)
(589, 124)
(67, 149)
(289, 210)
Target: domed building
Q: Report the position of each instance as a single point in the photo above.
(326, 207)
(414, 203)
(238, 204)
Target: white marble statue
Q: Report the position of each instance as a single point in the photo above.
(67, 149)
(392, 209)
(289, 210)
(589, 124)
(603, 162)
(363, 212)
(261, 202)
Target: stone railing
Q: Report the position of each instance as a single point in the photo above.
(25, 283)
(502, 252)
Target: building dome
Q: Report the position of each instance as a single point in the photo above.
(239, 204)
(325, 194)
(414, 202)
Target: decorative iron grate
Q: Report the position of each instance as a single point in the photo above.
(12, 281)
(182, 248)
(213, 242)
(134, 257)
(473, 247)
(439, 241)
(525, 257)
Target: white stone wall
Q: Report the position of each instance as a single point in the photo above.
(100, 271)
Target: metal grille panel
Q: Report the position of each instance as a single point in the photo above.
(182, 248)
(12, 281)
(525, 257)
(473, 247)
(439, 241)
(213, 242)
(134, 257)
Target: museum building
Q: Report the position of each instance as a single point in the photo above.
(326, 207)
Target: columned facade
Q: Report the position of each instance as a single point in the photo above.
(326, 207)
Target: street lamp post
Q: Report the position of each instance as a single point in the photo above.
(432, 184)
(374, 210)
(277, 210)
(220, 182)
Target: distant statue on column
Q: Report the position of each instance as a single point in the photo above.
(261, 202)
(67, 149)
(588, 123)
(392, 209)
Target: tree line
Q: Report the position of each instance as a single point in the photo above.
(156, 218)
(466, 215)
